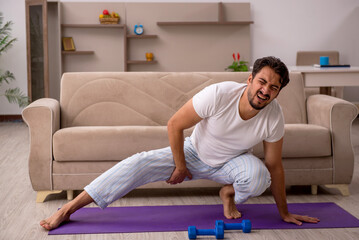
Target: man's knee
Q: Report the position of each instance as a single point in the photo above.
(261, 180)
(253, 184)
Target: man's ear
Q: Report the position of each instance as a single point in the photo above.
(249, 78)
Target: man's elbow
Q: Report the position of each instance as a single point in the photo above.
(171, 125)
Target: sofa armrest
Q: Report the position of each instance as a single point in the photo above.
(43, 119)
(337, 115)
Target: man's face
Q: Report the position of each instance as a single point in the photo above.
(263, 88)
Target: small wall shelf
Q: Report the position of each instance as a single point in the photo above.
(203, 23)
(77, 52)
(141, 36)
(133, 62)
(141, 62)
(220, 21)
(93, 25)
(112, 26)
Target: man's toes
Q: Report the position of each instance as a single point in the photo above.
(45, 225)
(228, 216)
(237, 215)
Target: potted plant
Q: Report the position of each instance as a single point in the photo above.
(237, 65)
(13, 95)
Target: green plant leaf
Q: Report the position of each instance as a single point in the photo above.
(6, 77)
(239, 66)
(5, 41)
(14, 95)
(4, 45)
(243, 68)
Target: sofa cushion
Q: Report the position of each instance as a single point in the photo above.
(303, 140)
(107, 143)
(117, 143)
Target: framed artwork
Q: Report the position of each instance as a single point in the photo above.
(68, 44)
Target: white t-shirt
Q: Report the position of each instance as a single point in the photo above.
(223, 134)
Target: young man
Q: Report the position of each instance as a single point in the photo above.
(230, 119)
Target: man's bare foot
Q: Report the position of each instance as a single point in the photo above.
(64, 213)
(55, 220)
(230, 210)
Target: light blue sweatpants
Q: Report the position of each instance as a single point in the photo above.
(246, 172)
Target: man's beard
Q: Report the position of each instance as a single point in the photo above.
(251, 101)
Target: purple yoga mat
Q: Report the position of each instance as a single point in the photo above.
(178, 218)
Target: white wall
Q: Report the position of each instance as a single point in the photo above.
(281, 28)
(14, 59)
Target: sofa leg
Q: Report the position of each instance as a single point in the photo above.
(343, 188)
(41, 195)
(70, 195)
(314, 189)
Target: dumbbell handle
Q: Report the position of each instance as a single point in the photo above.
(205, 232)
(233, 226)
(245, 225)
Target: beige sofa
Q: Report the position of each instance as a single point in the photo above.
(103, 118)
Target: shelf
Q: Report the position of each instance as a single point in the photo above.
(221, 20)
(77, 52)
(204, 23)
(232, 21)
(141, 62)
(141, 36)
(93, 25)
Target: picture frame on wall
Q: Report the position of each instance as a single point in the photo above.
(68, 44)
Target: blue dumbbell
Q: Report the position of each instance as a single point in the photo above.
(218, 231)
(245, 225)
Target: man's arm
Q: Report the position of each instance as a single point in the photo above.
(184, 118)
(273, 161)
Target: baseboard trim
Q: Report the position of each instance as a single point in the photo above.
(11, 118)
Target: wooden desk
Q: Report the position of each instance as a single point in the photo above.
(325, 78)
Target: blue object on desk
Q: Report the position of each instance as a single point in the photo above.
(323, 60)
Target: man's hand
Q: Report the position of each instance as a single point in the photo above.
(184, 118)
(299, 219)
(178, 176)
(273, 161)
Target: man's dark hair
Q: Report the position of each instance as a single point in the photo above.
(274, 63)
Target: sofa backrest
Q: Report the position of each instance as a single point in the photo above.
(150, 98)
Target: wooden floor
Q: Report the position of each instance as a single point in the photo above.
(20, 215)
